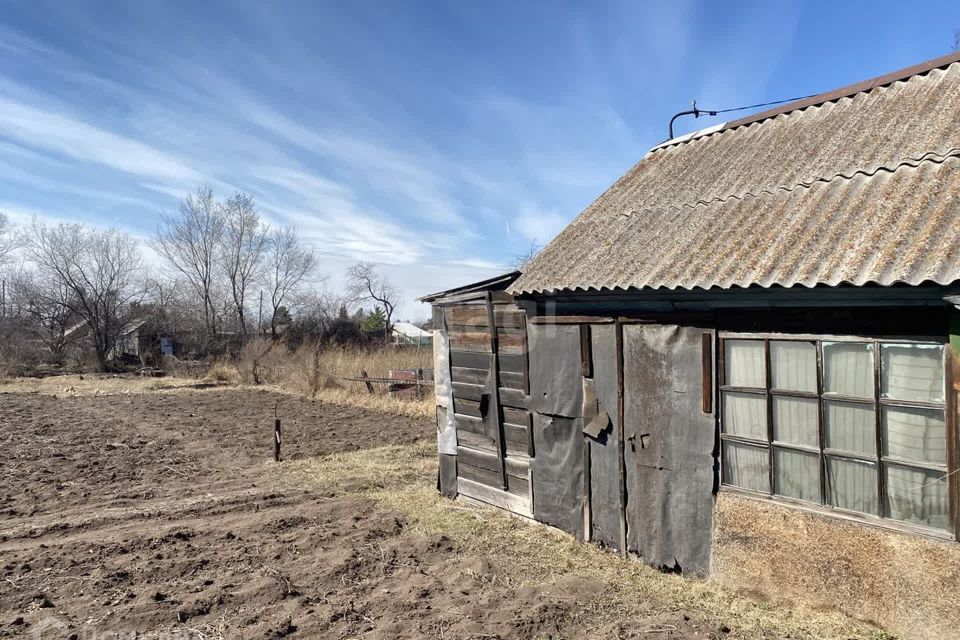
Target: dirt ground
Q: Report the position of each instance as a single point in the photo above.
(161, 515)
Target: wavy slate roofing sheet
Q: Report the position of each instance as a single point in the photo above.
(861, 189)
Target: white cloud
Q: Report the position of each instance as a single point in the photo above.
(538, 225)
(39, 129)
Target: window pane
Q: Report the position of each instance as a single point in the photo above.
(746, 467)
(796, 474)
(745, 414)
(915, 434)
(848, 369)
(850, 426)
(917, 496)
(852, 484)
(745, 363)
(912, 372)
(793, 366)
(795, 420)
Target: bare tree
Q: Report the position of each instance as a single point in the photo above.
(522, 260)
(956, 39)
(189, 243)
(366, 284)
(244, 242)
(8, 241)
(99, 270)
(47, 306)
(288, 267)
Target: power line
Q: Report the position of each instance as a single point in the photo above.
(759, 104)
(696, 112)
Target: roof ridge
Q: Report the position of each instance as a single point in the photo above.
(913, 162)
(849, 91)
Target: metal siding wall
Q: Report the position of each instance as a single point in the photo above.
(604, 450)
(669, 448)
(555, 381)
(558, 472)
(556, 400)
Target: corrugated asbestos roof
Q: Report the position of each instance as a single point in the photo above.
(864, 188)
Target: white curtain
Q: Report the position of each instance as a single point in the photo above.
(795, 420)
(745, 363)
(915, 434)
(848, 369)
(853, 485)
(912, 372)
(797, 474)
(850, 426)
(917, 496)
(793, 366)
(746, 467)
(745, 414)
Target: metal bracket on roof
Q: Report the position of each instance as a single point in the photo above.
(696, 113)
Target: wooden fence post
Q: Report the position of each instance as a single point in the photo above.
(363, 374)
(276, 440)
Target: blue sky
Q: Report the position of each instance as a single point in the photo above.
(438, 139)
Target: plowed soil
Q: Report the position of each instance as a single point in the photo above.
(162, 516)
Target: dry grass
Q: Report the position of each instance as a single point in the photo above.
(401, 479)
(309, 371)
(319, 373)
(220, 374)
(94, 385)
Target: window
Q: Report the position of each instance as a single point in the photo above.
(858, 426)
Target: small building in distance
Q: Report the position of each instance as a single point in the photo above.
(409, 334)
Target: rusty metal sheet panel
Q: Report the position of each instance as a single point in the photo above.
(555, 381)
(604, 449)
(557, 472)
(862, 189)
(669, 445)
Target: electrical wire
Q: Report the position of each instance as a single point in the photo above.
(760, 104)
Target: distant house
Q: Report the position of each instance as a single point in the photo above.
(405, 333)
(132, 342)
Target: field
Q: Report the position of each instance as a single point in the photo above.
(154, 508)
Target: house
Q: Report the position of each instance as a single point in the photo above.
(131, 341)
(741, 361)
(406, 333)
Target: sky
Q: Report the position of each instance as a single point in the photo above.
(438, 140)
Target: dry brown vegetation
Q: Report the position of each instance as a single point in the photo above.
(525, 554)
(308, 371)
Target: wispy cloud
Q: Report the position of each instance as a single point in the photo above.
(436, 142)
(71, 137)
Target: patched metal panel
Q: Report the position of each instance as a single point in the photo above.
(557, 472)
(669, 445)
(604, 449)
(555, 382)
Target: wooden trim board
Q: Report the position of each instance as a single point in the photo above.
(495, 497)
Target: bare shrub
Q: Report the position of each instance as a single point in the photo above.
(174, 366)
(224, 371)
(306, 373)
(262, 361)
